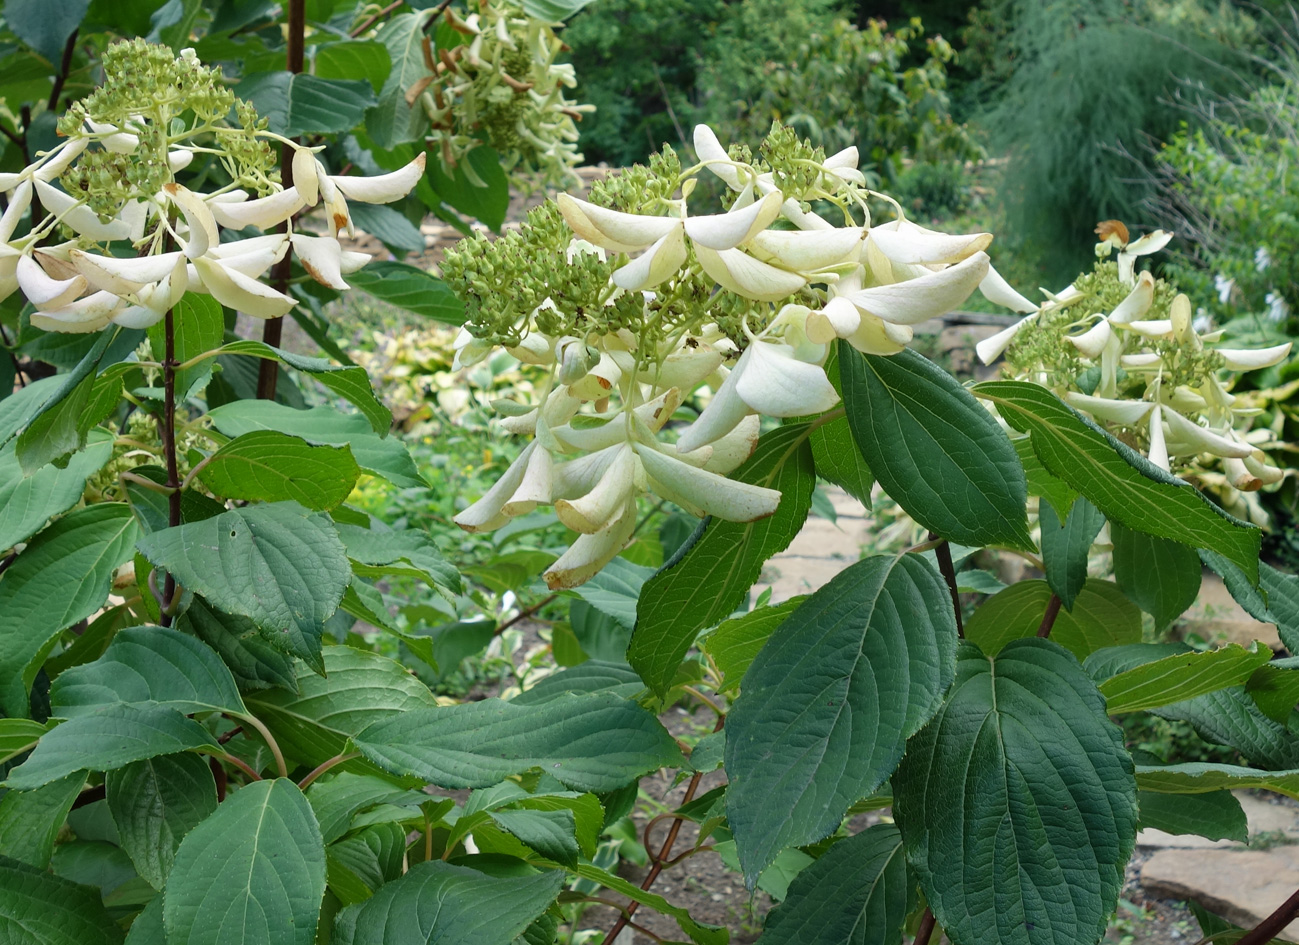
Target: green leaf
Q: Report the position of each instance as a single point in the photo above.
(112, 737)
(198, 327)
(265, 466)
(552, 833)
(269, 94)
(59, 426)
(20, 406)
(346, 380)
(377, 552)
(834, 453)
(323, 425)
(1181, 676)
(411, 288)
(327, 106)
(1274, 687)
(1198, 777)
(589, 676)
(254, 663)
(857, 892)
(615, 590)
(462, 191)
(352, 59)
(253, 872)
(18, 735)
(154, 804)
(591, 742)
(1162, 577)
(45, 26)
(1275, 600)
(1101, 617)
(393, 121)
(338, 799)
(359, 865)
(934, 449)
(28, 502)
(1125, 486)
(388, 226)
(30, 821)
(712, 572)
(735, 642)
(62, 576)
(279, 565)
(698, 932)
(440, 904)
(1229, 717)
(39, 909)
(359, 688)
(553, 11)
(828, 705)
(1065, 547)
(1017, 802)
(1216, 815)
(149, 664)
(147, 928)
(1040, 482)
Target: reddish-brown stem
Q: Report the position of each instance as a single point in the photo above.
(89, 796)
(1048, 619)
(219, 776)
(524, 614)
(325, 766)
(926, 928)
(943, 552)
(371, 20)
(243, 766)
(1271, 927)
(64, 68)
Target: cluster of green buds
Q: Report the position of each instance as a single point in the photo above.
(121, 239)
(1124, 348)
(502, 83)
(633, 305)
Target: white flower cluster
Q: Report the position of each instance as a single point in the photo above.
(798, 282)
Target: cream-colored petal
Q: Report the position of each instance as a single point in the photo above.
(875, 336)
(733, 449)
(1092, 342)
(793, 211)
(349, 262)
(992, 347)
(1266, 473)
(1150, 243)
(534, 348)
(198, 217)
(775, 384)
(596, 437)
(848, 157)
(90, 313)
(1137, 302)
(1193, 438)
(1245, 359)
(1127, 412)
(321, 257)
(613, 229)
(138, 316)
(485, 514)
(660, 262)
(44, 292)
(720, 417)
(998, 291)
(263, 213)
(577, 477)
(19, 200)
(123, 275)
(1153, 328)
(728, 230)
(535, 488)
(243, 293)
(839, 319)
(751, 278)
(905, 243)
(384, 188)
(1158, 446)
(597, 509)
(808, 250)
(709, 149)
(60, 159)
(252, 256)
(336, 212)
(306, 177)
(1179, 313)
(703, 492)
(684, 368)
(584, 559)
(1141, 362)
(80, 218)
(931, 295)
(178, 159)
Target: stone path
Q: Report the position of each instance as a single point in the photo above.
(821, 550)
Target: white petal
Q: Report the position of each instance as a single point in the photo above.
(774, 383)
(252, 256)
(1158, 448)
(728, 230)
(577, 477)
(734, 448)
(793, 211)
(1150, 243)
(178, 160)
(138, 316)
(85, 314)
(350, 261)
(385, 188)
(1266, 473)
(1000, 292)
(339, 217)
(61, 158)
(262, 213)
(1154, 328)
(243, 293)
(1140, 362)
(485, 514)
(1127, 412)
(751, 278)
(592, 439)
(709, 149)
(1193, 438)
(1092, 342)
(43, 291)
(19, 201)
(720, 417)
(126, 274)
(839, 319)
(80, 218)
(306, 179)
(1244, 359)
(808, 250)
(1179, 313)
(590, 553)
(992, 347)
(917, 300)
(684, 368)
(703, 492)
(907, 244)
(660, 262)
(613, 229)
(535, 488)
(597, 509)
(202, 227)
(321, 257)
(875, 336)
(534, 348)
(1137, 302)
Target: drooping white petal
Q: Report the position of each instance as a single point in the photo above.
(43, 291)
(384, 188)
(709, 149)
(60, 159)
(1150, 243)
(485, 514)
(1267, 474)
(1158, 447)
(776, 384)
(19, 201)
(262, 213)
(1153, 328)
(660, 262)
(728, 230)
(535, 487)
(90, 313)
(321, 257)
(793, 211)
(998, 291)
(807, 250)
(123, 275)
(992, 347)
(1141, 362)
(848, 157)
(1137, 302)
(586, 556)
(720, 417)
(1127, 412)
(1192, 438)
(198, 217)
(306, 179)
(350, 261)
(703, 492)
(80, 218)
(178, 160)
(1245, 359)
(1092, 342)
(592, 439)
(252, 256)
(733, 449)
(613, 229)
(534, 348)
(876, 336)
(597, 509)
(931, 295)
(905, 243)
(339, 217)
(839, 319)
(114, 139)
(138, 316)
(751, 278)
(684, 368)
(243, 293)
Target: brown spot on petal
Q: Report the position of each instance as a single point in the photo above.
(340, 221)
(171, 187)
(312, 271)
(1112, 228)
(602, 405)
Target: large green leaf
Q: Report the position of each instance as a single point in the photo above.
(37, 908)
(590, 742)
(1181, 676)
(1275, 600)
(393, 121)
(265, 466)
(253, 662)
(834, 453)
(411, 288)
(856, 894)
(279, 565)
(1125, 486)
(30, 821)
(154, 804)
(1065, 546)
(358, 689)
(1101, 617)
(45, 26)
(351, 59)
(553, 11)
(829, 703)
(60, 424)
(1229, 717)
(1162, 577)
(323, 425)
(198, 326)
(327, 106)
(440, 904)
(711, 574)
(1017, 803)
(388, 226)
(488, 203)
(736, 642)
(615, 589)
(110, 738)
(1216, 815)
(149, 664)
(337, 799)
(552, 833)
(1274, 687)
(62, 576)
(378, 552)
(253, 872)
(934, 449)
(357, 866)
(1199, 777)
(18, 735)
(28, 502)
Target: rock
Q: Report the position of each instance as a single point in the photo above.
(1265, 818)
(1243, 886)
(1216, 615)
